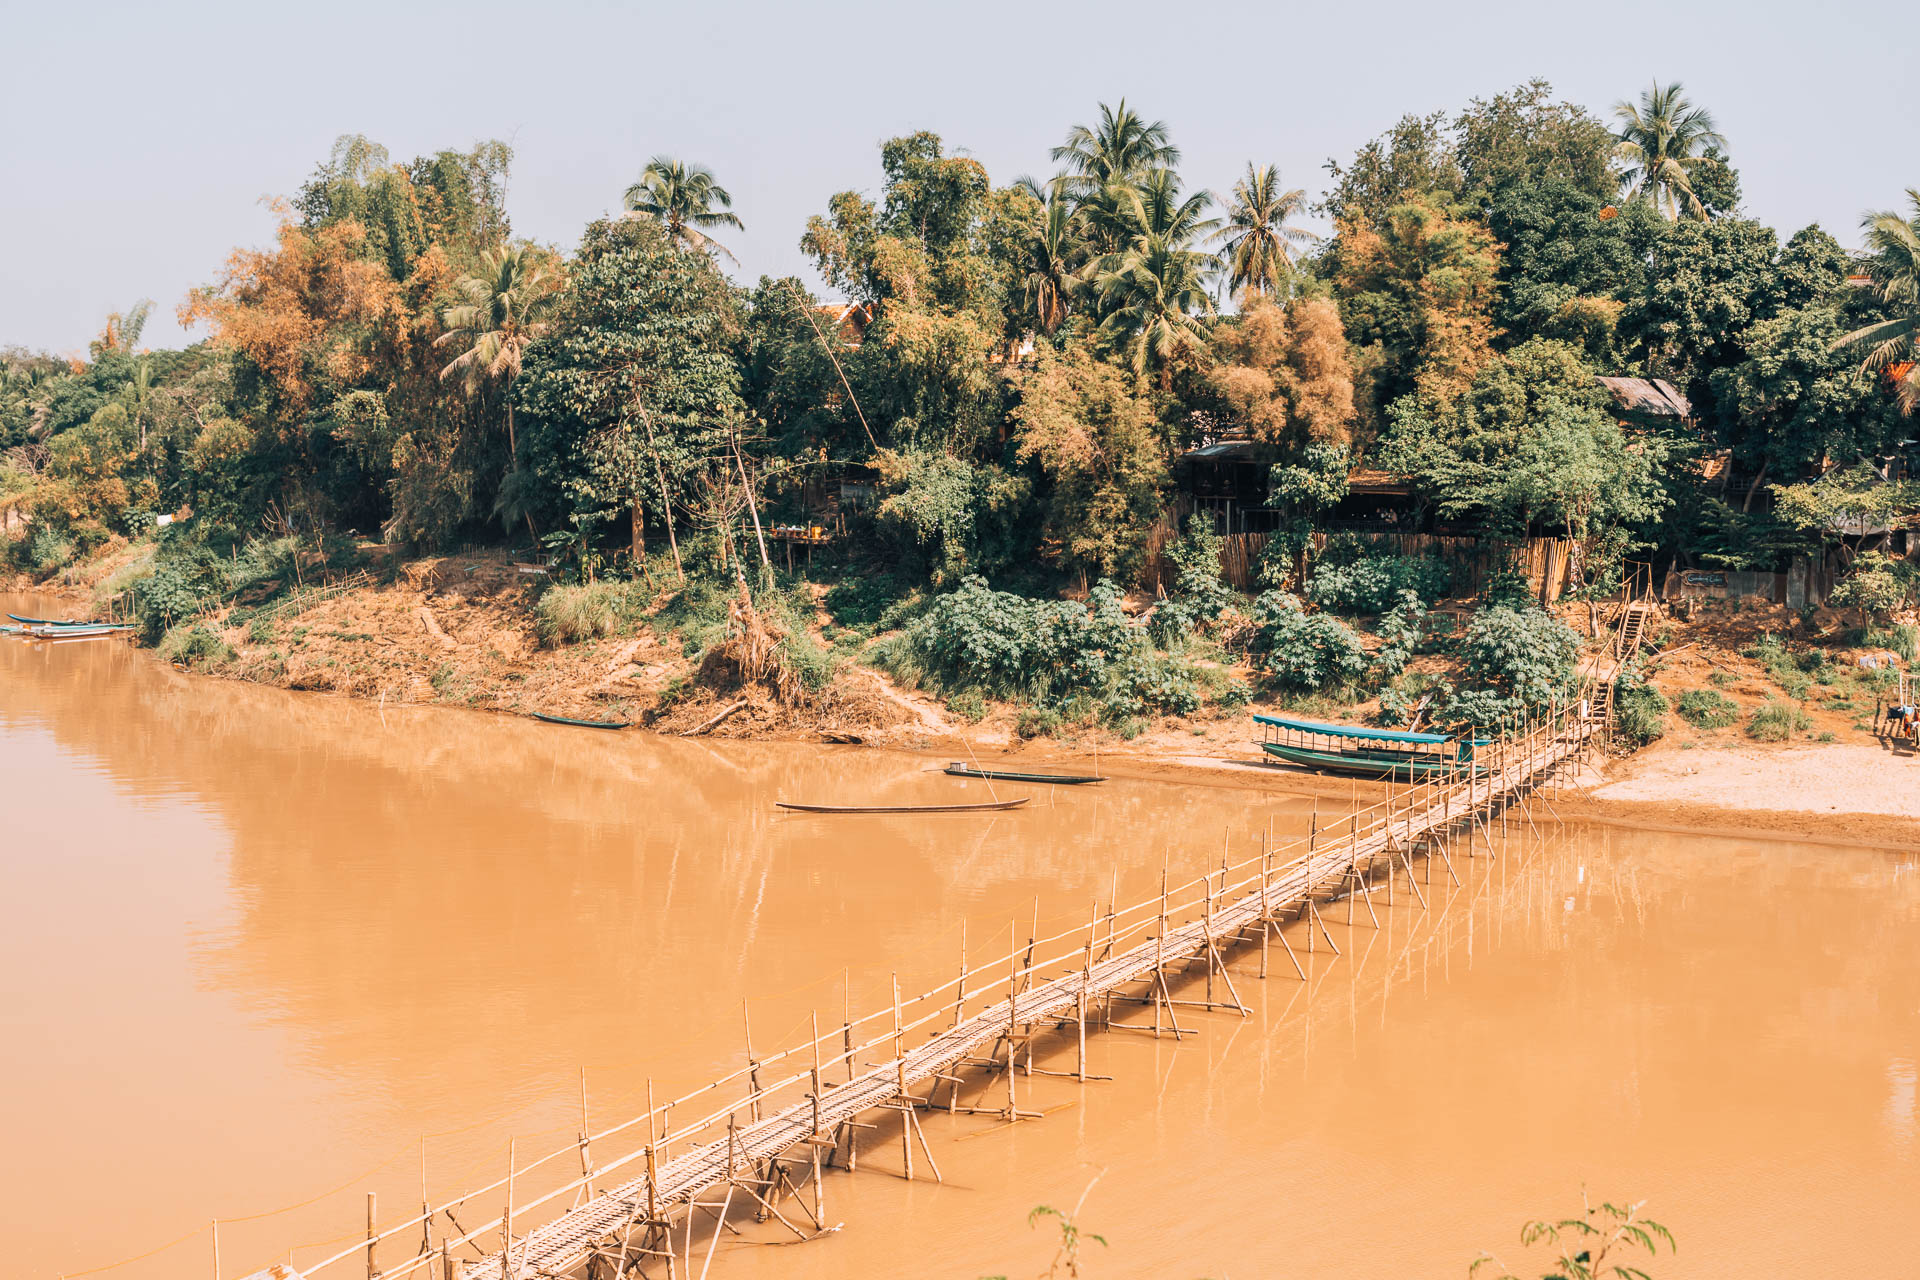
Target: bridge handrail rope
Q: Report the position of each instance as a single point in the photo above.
(1511, 764)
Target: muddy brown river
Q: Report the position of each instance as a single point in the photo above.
(263, 951)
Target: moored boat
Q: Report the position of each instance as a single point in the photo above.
(1369, 753)
(900, 808)
(959, 769)
(581, 724)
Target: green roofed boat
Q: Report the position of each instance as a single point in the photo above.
(1368, 753)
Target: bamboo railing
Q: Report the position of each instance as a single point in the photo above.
(809, 1097)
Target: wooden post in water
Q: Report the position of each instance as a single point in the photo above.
(586, 1150)
(818, 1136)
(373, 1268)
(1013, 1002)
(960, 992)
(900, 1084)
(506, 1220)
(214, 1226)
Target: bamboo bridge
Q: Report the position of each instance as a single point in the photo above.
(772, 1128)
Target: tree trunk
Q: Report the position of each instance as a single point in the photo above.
(1755, 486)
(639, 533)
(752, 506)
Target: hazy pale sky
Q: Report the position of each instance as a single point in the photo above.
(137, 141)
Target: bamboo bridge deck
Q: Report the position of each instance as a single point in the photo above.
(770, 1146)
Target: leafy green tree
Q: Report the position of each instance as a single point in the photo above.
(1706, 284)
(1567, 272)
(1514, 659)
(1893, 264)
(1524, 138)
(1797, 398)
(683, 197)
(1256, 252)
(1663, 144)
(1532, 443)
(1413, 162)
(634, 393)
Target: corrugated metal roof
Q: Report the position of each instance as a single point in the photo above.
(1657, 397)
(1224, 451)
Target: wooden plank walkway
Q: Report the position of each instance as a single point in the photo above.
(747, 1147)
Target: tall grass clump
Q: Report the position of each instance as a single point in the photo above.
(569, 613)
(1708, 709)
(1777, 721)
(1903, 640)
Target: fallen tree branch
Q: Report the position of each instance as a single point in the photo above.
(714, 721)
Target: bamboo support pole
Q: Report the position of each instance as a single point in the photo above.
(373, 1235)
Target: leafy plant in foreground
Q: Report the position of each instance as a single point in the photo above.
(1591, 1246)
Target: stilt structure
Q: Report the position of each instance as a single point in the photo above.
(645, 1183)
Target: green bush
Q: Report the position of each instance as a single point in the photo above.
(566, 614)
(1706, 709)
(48, 550)
(192, 644)
(1400, 632)
(1903, 640)
(1308, 652)
(1777, 721)
(1051, 652)
(1376, 584)
(1639, 711)
(1199, 593)
(1396, 708)
(1523, 654)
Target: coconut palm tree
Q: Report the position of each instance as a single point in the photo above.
(1052, 255)
(1257, 251)
(1661, 142)
(1149, 292)
(502, 315)
(1893, 263)
(1121, 148)
(683, 196)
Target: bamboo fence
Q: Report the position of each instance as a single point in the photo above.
(766, 1131)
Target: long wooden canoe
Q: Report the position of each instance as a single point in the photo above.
(90, 632)
(581, 724)
(959, 770)
(49, 622)
(901, 808)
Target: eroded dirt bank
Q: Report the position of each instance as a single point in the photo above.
(459, 630)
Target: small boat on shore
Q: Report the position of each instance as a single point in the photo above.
(53, 622)
(581, 724)
(1368, 753)
(68, 631)
(901, 808)
(959, 769)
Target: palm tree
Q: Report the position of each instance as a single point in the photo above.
(1661, 142)
(683, 197)
(1893, 263)
(1052, 255)
(1149, 291)
(500, 318)
(1121, 148)
(1256, 254)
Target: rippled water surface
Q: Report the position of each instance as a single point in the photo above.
(262, 948)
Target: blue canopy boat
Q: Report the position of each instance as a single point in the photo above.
(1369, 753)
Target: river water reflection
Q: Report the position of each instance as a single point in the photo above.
(261, 944)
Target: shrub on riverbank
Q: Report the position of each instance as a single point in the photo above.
(1076, 662)
(565, 614)
(192, 644)
(1708, 709)
(1777, 721)
(1639, 711)
(1374, 584)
